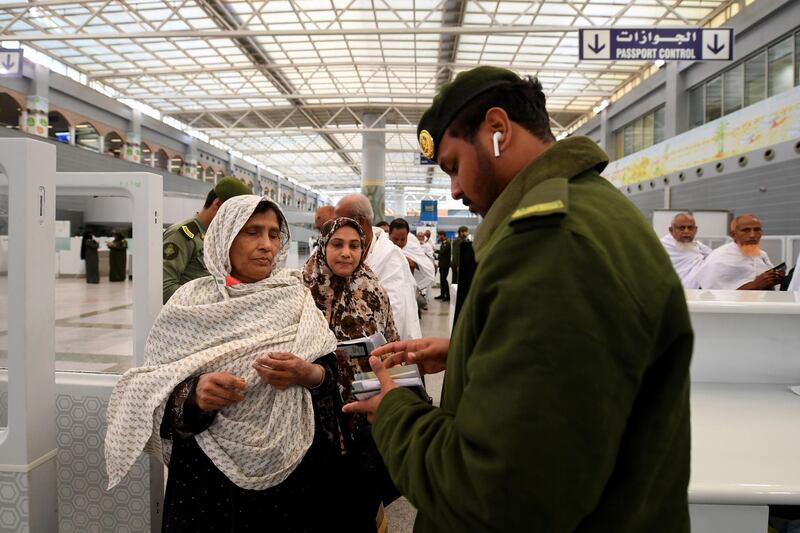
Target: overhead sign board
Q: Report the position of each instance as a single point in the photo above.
(651, 44)
(429, 211)
(10, 63)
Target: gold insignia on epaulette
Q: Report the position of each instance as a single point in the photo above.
(536, 209)
(426, 144)
(188, 232)
(170, 251)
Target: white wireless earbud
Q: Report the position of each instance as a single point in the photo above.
(496, 138)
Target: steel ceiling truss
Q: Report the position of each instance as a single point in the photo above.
(289, 84)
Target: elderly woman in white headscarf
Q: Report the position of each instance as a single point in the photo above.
(236, 366)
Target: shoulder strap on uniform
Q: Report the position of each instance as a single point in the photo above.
(190, 229)
(548, 198)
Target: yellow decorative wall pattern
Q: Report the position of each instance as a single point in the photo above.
(771, 121)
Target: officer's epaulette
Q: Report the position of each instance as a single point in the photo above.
(547, 202)
(190, 229)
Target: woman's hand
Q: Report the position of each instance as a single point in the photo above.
(282, 370)
(216, 390)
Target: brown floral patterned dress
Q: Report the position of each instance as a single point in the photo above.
(355, 307)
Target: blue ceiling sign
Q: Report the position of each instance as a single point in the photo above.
(429, 211)
(425, 161)
(652, 44)
(10, 63)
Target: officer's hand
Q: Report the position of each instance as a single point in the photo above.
(429, 354)
(216, 390)
(370, 407)
(282, 370)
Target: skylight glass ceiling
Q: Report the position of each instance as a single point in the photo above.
(288, 82)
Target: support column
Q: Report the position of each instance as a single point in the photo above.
(72, 135)
(190, 160)
(373, 165)
(676, 109)
(401, 201)
(132, 150)
(257, 188)
(37, 107)
(230, 165)
(606, 135)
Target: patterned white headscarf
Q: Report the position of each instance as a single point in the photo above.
(208, 327)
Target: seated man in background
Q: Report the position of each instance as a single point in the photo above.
(684, 251)
(388, 263)
(383, 225)
(421, 265)
(740, 264)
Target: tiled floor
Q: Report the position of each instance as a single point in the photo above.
(94, 334)
(93, 325)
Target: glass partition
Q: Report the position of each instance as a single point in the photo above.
(94, 287)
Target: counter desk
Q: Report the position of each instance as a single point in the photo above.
(745, 419)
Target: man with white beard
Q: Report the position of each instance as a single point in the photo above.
(426, 245)
(684, 251)
(740, 264)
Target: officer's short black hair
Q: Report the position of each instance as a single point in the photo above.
(399, 223)
(523, 101)
(212, 195)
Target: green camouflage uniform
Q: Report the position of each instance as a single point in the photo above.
(183, 255)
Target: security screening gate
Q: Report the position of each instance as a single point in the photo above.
(28, 444)
(135, 504)
(51, 454)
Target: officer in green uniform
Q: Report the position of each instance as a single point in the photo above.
(566, 400)
(444, 255)
(183, 242)
(463, 231)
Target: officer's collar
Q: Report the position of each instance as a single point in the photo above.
(565, 159)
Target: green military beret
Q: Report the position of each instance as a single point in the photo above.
(452, 98)
(229, 187)
(463, 228)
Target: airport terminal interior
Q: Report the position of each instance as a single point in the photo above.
(118, 117)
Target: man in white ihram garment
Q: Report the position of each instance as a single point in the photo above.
(424, 241)
(684, 251)
(421, 265)
(794, 285)
(388, 263)
(741, 264)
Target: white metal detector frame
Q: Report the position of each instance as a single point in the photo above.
(145, 190)
(28, 445)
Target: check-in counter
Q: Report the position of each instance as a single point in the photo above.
(745, 419)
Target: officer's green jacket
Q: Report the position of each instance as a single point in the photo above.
(183, 255)
(566, 399)
(444, 254)
(457, 250)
